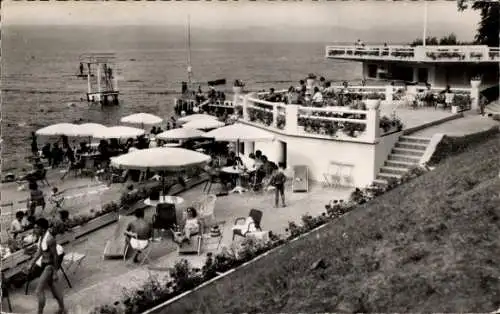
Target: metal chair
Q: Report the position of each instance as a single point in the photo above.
(5, 292)
(141, 246)
(242, 230)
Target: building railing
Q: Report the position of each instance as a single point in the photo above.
(336, 123)
(474, 53)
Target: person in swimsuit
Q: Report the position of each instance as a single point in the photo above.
(138, 233)
(48, 258)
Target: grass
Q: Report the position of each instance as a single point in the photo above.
(430, 245)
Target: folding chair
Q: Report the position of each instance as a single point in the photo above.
(207, 234)
(334, 173)
(242, 229)
(73, 258)
(346, 176)
(141, 246)
(206, 207)
(5, 292)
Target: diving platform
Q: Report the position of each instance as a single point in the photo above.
(102, 83)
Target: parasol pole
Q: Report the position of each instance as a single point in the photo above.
(424, 36)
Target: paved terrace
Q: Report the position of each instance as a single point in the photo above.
(470, 123)
(102, 281)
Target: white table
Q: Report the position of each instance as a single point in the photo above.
(235, 170)
(172, 145)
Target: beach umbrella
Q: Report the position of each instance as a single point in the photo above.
(89, 129)
(204, 124)
(160, 159)
(239, 132)
(58, 129)
(119, 132)
(180, 134)
(195, 117)
(142, 119)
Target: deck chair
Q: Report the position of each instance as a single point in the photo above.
(140, 246)
(73, 259)
(249, 225)
(300, 179)
(5, 292)
(165, 217)
(206, 208)
(208, 234)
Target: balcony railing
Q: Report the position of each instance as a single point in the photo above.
(419, 53)
(335, 123)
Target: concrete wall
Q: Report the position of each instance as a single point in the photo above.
(384, 148)
(317, 154)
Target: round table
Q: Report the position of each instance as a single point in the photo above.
(232, 170)
(238, 171)
(176, 200)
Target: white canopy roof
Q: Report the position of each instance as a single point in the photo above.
(204, 124)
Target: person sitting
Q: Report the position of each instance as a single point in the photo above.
(59, 223)
(138, 233)
(46, 153)
(56, 198)
(192, 226)
(19, 224)
(317, 98)
(153, 130)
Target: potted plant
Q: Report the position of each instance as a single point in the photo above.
(372, 101)
(311, 78)
(475, 81)
(238, 86)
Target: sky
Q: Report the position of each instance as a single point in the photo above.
(442, 15)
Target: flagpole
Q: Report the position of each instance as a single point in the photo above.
(424, 37)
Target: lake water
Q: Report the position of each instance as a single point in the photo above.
(39, 67)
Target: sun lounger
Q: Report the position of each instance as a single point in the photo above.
(115, 247)
(300, 179)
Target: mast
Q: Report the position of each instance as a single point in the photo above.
(189, 68)
(425, 24)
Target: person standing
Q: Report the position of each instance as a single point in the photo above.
(278, 182)
(48, 258)
(34, 144)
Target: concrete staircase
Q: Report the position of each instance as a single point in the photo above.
(405, 155)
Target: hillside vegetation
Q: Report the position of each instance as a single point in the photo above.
(430, 245)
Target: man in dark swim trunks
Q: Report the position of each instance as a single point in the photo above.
(48, 258)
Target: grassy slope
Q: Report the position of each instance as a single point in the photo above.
(431, 245)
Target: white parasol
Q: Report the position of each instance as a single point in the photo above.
(119, 132)
(180, 134)
(204, 124)
(160, 159)
(58, 129)
(195, 117)
(240, 132)
(142, 119)
(89, 129)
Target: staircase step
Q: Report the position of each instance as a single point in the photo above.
(415, 139)
(389, 175)
(394, 170)
(411, 145)
(405, 158)
(400, 164)
(406, 151)
(380, 182)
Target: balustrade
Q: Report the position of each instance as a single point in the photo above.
(419, 53)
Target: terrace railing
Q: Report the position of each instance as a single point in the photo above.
(476, 53)
(335, 123)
